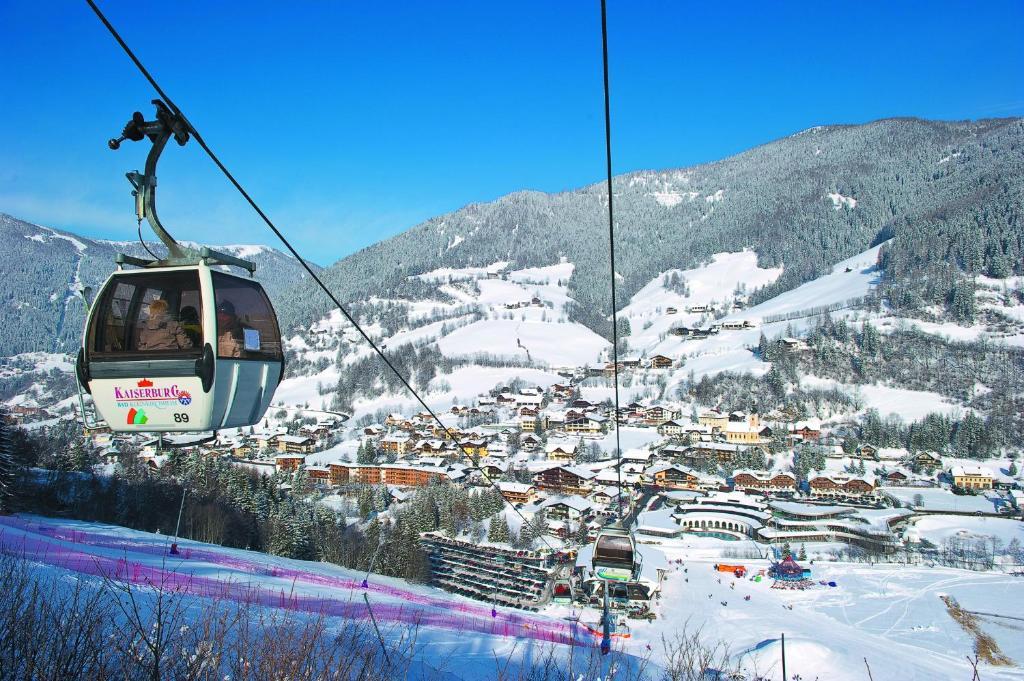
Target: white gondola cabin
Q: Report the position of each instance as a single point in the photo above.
(614, 555)
(181, 348)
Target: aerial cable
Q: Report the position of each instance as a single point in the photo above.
(259, 211)
(611, 246)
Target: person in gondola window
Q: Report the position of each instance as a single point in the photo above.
(160, 331)
(229, 331)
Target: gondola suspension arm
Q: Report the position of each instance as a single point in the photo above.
(159, 131)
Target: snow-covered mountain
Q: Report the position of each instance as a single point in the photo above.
(44, 267)
(948, 194)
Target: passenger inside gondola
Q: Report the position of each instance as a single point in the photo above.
(160, 332)
(229, 331)
(190, 322)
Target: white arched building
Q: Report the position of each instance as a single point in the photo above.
(729, 515)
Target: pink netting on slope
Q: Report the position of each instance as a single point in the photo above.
(70, 549)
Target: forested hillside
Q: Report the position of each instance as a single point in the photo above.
(805, 202)
(44, 267)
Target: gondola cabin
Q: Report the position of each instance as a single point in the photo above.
(180, 348)
(614, 555)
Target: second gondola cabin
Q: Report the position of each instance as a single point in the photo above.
(615, 555)
(180, 348)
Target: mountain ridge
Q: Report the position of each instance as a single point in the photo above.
(774, 198)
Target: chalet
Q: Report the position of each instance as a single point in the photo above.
(970, 477)
(713, 418)
(736, 325)
(641, 456)
(699, 308)
(529, 400)
(591, 424)
(572, 508)
(806, 432)
(672, 428)
(671, 310)
(517, 492)
(760, 481)
(289, 462)
(560, 451)
(611, 369)
(896, 478)
(722, 452)
(493, 469)
(629, 473)
(672, 476)
(394, 420)
(314, 431)
(295, 444)
(431, 448)
(473, 447)
(865, 452)
(840, 486)
(565, 480)
(562, 390)
(658, 414)
(583, 404)
(794, 345)
(927, 460)
(396, 444)
(605, 495)
(529, 442)
(373, 431)
(528, 422)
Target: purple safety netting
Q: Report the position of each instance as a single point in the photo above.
(67, 548)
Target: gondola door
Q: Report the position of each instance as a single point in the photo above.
(247, 347)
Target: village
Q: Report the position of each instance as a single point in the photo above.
(752, 485)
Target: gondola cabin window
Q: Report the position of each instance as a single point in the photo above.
(156, 314)
(246, 325)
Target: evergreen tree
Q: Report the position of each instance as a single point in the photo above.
(803, 553)
(366, 454)
(8, 467)
(787, 551)
(498, 532)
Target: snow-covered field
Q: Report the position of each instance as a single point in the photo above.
(891, 615)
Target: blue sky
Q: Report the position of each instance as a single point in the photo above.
(350, 122)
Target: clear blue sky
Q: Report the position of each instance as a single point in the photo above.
(352, 121)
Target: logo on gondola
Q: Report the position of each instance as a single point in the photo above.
(145, 394)
(137, 417)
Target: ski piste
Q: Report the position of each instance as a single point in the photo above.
(251, 581)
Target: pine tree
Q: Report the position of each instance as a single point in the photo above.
(803, 553)
(498, 532)
(8, 467)
(366, 454)
(787, 551)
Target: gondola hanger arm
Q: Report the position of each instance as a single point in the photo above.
(167, 124)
